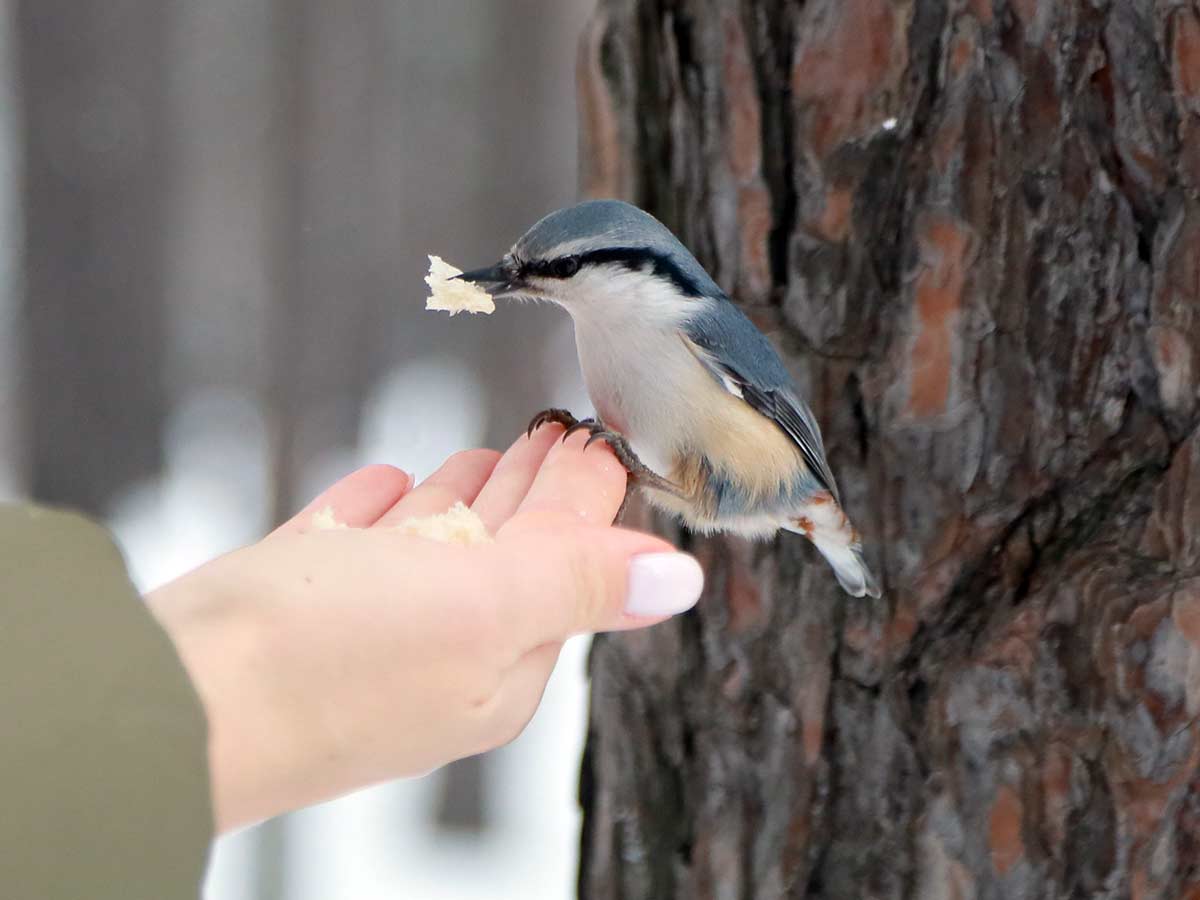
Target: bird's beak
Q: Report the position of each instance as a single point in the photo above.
(497, 280)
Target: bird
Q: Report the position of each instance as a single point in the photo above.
(691, 396)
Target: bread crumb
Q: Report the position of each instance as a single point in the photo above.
(454, 297)
(323, 520)
(458, 525)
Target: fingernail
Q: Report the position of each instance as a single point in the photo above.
(663, 584)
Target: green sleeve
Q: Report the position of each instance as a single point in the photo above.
(104, 788)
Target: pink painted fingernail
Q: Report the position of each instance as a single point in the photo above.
(663, 584)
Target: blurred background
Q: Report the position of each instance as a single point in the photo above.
(214, 221)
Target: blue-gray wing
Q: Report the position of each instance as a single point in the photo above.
(740, 357)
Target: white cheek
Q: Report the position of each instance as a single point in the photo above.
(613, 295)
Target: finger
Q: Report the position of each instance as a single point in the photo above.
(358, 500)
(513, 475)
(557, 582)
(459, 479)
(574, 486)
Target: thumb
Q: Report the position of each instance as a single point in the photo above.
(581, 579)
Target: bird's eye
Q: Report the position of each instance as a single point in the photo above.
(565, 267)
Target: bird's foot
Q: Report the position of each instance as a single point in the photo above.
(640, 474)
(561, 416)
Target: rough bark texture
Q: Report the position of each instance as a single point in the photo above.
(973, 228)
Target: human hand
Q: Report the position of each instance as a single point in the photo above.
(328, 660)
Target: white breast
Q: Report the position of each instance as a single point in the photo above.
(630, 379)
(638, 372)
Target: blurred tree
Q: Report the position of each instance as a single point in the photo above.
(13, 457)
(93, 133)
(974, 229)
(321, 313)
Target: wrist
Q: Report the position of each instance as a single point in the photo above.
(220, 637)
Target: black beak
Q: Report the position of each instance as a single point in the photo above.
(496, 280)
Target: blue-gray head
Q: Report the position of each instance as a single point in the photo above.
(589, 253)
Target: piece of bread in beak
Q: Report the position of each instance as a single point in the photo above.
(452, 296)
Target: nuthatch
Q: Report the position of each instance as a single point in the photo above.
(689, 394)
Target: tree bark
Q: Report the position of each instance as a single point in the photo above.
(974, 229)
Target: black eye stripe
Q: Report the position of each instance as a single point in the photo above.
(636, 259)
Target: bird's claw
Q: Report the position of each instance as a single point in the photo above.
(560, 416)
(598, 431)
(639, 472)
(595, 428)
(597, 436)
(590, 425)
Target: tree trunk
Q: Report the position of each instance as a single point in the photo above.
(973, 228)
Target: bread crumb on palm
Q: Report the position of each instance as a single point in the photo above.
(324, 520)
(448, 295)
(458, 525)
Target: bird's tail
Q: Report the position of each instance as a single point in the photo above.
(850, 568)
(824, 523)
